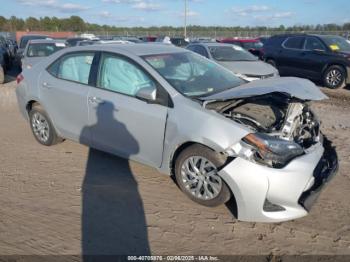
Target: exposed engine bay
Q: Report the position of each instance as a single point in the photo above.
(275, 114)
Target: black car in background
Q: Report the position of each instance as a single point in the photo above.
(324, 58)
(5, 58)
(73, 41)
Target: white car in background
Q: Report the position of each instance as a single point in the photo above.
(38, 49)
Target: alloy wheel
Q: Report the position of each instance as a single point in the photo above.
(40, 127)
(200, 178)
(334, 77)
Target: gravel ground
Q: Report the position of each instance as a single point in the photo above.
(67, 199)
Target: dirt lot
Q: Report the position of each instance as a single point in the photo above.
(67, 198)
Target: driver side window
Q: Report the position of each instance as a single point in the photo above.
(119, 75)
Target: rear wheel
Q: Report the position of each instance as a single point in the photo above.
(334, 77)
(2, 75)
(42, 128)
(196, 172)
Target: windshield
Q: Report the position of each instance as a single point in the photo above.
(231, 53)
(253, 45)
(41, 50)
(193, 75)
(337, 43)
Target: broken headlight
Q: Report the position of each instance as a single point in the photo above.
(267, 150)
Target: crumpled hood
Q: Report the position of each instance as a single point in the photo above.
(257, 68)
(293, 86)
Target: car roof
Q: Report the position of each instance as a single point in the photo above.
(212, 44)
(300, 34)
(135, 49)
(29, 36)
(243, 40)
(46, 41)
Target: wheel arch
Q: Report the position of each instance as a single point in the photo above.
(335, 64)
(30, 105)
(232, 203)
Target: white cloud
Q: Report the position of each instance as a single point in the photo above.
(147, 6)
(245, 11)
(70, 7)
(63, 7)
(274, 16)
(121, 1)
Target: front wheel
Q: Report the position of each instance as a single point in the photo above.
(334, 77)
(196, 172)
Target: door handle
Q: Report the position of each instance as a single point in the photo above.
(95, 100)
(47, 85)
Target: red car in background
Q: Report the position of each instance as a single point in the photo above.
(255, 46)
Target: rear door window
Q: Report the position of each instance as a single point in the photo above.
(73, 67)
(294, 42)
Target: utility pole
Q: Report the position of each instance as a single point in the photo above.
(185, 28)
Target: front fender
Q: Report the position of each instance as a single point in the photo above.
(190, 122)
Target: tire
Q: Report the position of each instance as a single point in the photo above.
(207, 190)
(334, 77)
(42, 128)
(2, 75)
(271, 62)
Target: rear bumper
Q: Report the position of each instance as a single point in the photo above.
(292, 189)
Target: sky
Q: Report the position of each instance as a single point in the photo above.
(200, 12)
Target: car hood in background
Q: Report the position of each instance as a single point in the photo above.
(292, 86)
(257, 68)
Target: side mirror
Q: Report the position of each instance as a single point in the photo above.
(148, 94)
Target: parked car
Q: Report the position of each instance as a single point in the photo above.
(203, 40)
(128, 39)
(148, 39)
(177, 41)
(24, 41)
(255, 46)
(322, 58)
(5, 59)
(236, 59)
(12, 47)
(186, 115)
(36, 50)
(263, 39)
(72, 41)
(86, 42)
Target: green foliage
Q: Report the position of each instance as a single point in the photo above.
(77, 24)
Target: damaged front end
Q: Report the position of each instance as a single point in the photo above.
(282, 127)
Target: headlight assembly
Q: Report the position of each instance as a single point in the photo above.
(267, 150)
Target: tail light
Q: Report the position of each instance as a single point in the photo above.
(19, 78)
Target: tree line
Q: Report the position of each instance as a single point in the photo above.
(77, 24)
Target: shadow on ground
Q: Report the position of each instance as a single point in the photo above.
(113, 219)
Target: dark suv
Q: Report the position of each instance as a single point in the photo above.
(317, 57)
(5, 61)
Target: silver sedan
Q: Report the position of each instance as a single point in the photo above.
(256, 143)
(236, 59)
